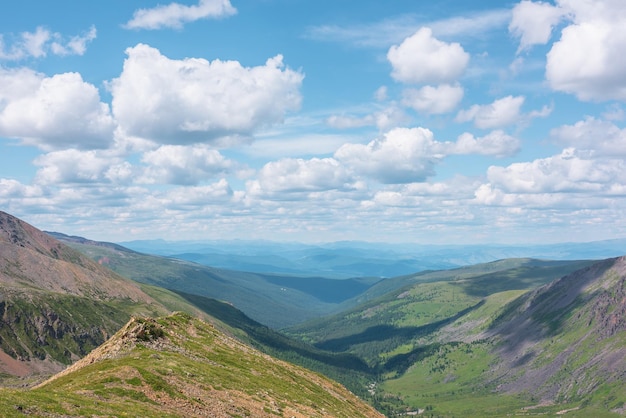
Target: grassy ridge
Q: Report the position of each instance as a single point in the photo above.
(180, 366)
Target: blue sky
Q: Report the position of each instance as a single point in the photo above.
(406, 121)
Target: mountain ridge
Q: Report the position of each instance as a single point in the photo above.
(181, 366)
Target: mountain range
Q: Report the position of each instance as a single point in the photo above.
(347, 259)
(61, 308)
(152, 335)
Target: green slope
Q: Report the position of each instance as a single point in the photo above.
(180, 366)
(560, 349)
(407, 317)
(276, 301)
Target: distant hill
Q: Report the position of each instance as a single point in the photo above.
(178, 366)
(349, 259)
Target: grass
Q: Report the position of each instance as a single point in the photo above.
(192, 365)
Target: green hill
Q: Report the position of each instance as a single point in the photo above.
(559, 349)
(178, 366)
(402, 313)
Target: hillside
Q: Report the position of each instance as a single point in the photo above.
(398, 314)
(560, 348)
(57, 304)
(177, 366)
(274, 300)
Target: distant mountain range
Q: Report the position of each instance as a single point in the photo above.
(361, 259)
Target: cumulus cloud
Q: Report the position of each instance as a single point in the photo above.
(421, 58)
(55, 112)
(75, 166)
(174, 15)
(533, 22)
(567, 172)
(291, 175)
(193, 100)
(600, 138)
(402, 155)
(211, 194)
(496, 143)
(37, 44)
(77, 45)
(588, 59)
(434, 100)
(407, 155)
(183, 165)
(10, 188)
(501, 112)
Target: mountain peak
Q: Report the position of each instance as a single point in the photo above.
(14, 231)
(30, 260)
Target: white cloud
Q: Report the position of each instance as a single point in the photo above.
(614, 112)
(10, 188)
(184, 165)
(407, 155)
(567, 172)
(213, 194)
(434, 100)
(75, 166)
(600, 138)
(402, 155)
(193, 100)
(37, 44)
(298, 175)
(501, 112)
(77, 45)
(533, 22)
(349, 122)
(496, 143)
(421, 58)
(381, 93)
(55, 112)
(174, 15)
(588, 60)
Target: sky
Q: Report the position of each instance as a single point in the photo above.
(447, 122)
